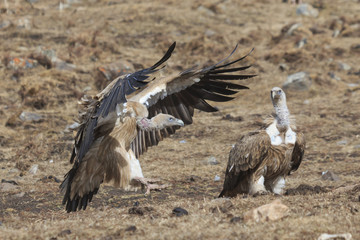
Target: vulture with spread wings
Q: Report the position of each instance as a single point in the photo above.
(135, 112)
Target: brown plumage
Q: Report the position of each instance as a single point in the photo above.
(135, 112)
(260, 160)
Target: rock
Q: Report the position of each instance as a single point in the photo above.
(64, 233)
(24, 23)
(268, 212)
(34, 168)
(342, 142)
(217, 178)
(182, 141)
(5, 24)
(131, 229)
(292, 28)
(301, 43)
(29, 116)
(47, 58)
(140, 210)
(344, 66)
(344, 236)
(7, 187)
(307, 10)
(333, 76)
(179, 212)
(236, 219)
(283, 67)
(9, 181)
(212, 160)
(21, 63)
(209, 32)
(19, 195)
(222, 205)
(329, 175)
(299, 81)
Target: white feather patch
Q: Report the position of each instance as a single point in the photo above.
(156, 91)
(274, 134)
(135, 167)
(279, 185)
(290, 136)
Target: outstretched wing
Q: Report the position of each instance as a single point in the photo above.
(180, 94)
(298, 152)
(99, 109)
(244, 158)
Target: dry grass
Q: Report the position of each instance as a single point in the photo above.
(93, 33)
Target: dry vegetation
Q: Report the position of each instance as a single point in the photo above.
(93, 33)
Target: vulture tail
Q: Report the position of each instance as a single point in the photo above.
(77, 203)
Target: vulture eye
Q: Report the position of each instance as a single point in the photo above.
(279, 92)
(171, 119)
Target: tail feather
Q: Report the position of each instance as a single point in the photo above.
(77, 202)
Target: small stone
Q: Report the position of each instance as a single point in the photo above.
(301, 43)
(307, 10)
(333, 76)
(212, 160)
(209, 32)
(29, 116)
(306, 102)
(7, 187)
(300, 81)
(329, 175)
(182, 141)
(5, 24)
(283, 67)
(9, 181)
(268, 212)
(64, 233)
(21, 63)
(217, 178)
(179, 212)
(19, 195)
(344, 66)
(352, 85)
(293, 28)
(34, 168)
(236, 219)
(344, 236)
(342, 142)
(131, 229)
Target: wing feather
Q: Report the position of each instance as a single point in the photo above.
(244, 158)
(180, 94)
(298, 151)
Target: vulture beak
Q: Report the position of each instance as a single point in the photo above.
(180, 122)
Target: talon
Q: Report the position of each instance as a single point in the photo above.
(148, 184)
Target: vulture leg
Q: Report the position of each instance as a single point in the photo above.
(258, 187)
(149, 185)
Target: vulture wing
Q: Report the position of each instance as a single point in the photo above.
(244, 158)
(298, 152)
(180, 94)
(99, 109)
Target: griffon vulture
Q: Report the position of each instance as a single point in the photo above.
(135, 112)
(260, 160)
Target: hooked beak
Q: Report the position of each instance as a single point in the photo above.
(180, 122)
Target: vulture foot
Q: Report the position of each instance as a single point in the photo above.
(148, 184)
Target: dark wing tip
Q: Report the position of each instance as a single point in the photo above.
(165, 57)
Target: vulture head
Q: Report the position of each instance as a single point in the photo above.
(278, 96)
(160, 121)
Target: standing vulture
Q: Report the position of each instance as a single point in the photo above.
(260, 160)
(135, 112)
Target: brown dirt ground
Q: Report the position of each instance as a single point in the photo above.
(93, 33)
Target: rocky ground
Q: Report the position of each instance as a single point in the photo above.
(52, 53)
